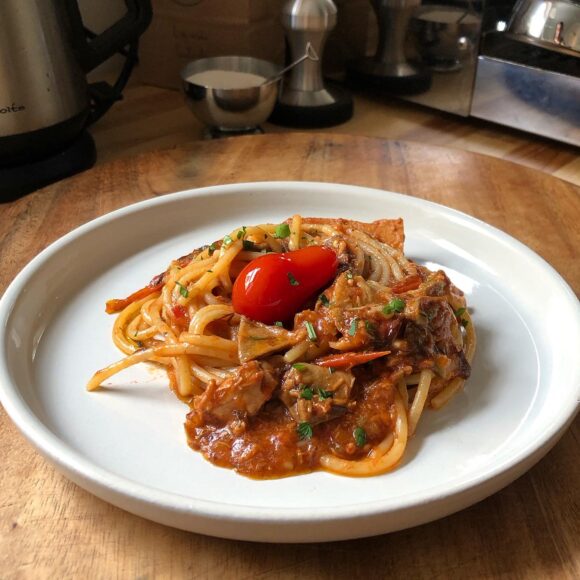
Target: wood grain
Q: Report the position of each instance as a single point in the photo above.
(51, 528)
(150, 118)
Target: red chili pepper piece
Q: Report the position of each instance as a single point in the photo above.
(406, 285)
(349, 359)
(116, 304)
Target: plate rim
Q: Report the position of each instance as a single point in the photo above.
(80, 469)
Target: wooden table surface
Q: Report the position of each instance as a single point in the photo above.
(50, 528)
(152, 118)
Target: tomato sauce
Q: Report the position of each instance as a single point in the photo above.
(269, 445)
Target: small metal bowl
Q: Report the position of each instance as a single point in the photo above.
(230, 109)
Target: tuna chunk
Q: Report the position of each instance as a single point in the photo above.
(315, 394)
(241, 394)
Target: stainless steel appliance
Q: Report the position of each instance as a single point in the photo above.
(45, 100)
(391, 66)
(305, 99)
(516, 63)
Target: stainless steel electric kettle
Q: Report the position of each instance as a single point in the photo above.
(45, 53)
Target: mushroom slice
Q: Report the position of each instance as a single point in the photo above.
(256, 339)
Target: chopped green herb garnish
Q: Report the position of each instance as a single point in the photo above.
(212, 248)
(249, 246)
(310, 330)
(304, 430)
(306, 393)
(395, 305)
(227, 240)
(459, 314)
(353, 327)
(278, 323)
(299, 366)
(349, 275)
(210, 271)
(182, 289)
(282, 231)
(323, 394)
(325, 301)
(241, 233)
(293, 281)
(360, 436)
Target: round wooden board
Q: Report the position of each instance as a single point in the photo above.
(52, 528)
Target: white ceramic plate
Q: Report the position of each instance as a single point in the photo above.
(127, 444)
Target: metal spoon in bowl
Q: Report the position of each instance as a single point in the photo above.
(309, 54)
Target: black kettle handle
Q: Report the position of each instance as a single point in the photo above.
(92, 52)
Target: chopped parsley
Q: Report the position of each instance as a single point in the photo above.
(182, 290)
(370, 327)
(464, 323)
(278, 323)
(299, 366)
(306, 393)
(293, 281)
(395, 305)
(241, 233)
(212, 248)
(310, 330)
(460, 312)
(349, 275)
(304, 430)
(353, 327)
(325, 301)
(323, 394)
(360, 436)
(227, 240)
(282, 231)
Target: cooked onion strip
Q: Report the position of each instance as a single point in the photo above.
(442, 398)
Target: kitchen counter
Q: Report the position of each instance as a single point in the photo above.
(152, 118)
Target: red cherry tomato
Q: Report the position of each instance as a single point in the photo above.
(274, 287)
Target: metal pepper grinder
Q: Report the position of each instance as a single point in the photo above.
(390, 68)
(305, 100)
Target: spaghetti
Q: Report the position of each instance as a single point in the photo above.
(339, 383)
